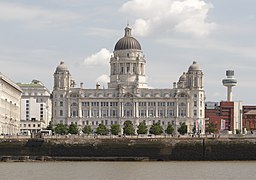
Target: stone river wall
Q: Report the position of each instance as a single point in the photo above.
(116, 149)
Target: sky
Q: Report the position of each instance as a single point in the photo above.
(219, 34)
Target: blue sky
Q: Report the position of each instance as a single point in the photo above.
(36, 35)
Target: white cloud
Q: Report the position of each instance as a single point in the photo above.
(34, 16)
(103, 80)
(188, 16)
(100, 58)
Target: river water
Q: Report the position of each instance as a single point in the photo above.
(128, 170)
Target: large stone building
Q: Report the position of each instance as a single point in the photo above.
(36, 106)
(10, 95)
(128, 96)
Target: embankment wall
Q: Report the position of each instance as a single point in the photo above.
(165, 149)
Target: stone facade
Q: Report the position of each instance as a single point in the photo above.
(128, 96)
(10, 95)
(36, 106)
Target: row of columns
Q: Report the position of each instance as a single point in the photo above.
(133, 68)
(134, 109)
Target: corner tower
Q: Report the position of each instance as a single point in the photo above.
(127, 65)
(62, 77)
(195, 77)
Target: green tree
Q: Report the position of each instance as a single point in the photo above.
(73, 129)
(142, 128)
(115, 129)
(102, 129)
(50, 127)
(128, 128)
(87, 129)
(211, 128)
(183, 129)
(61, 129)
(156, 129)
(169, 129)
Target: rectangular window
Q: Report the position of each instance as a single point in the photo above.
(61, 103)
(161, 113)
(151, 113)
(170, 103)
(170, 113)
(95, 113)
(61, 112)
(104, 113)
(195, 103)
(142, 113)
(85, 113)
(86, 104)
(128, 113)
(195, 112)
(113, 113)
(142, 103)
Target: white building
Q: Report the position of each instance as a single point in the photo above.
(10, 95)
(36, 106)
(128, 96)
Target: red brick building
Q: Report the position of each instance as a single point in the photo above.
(226, 115)
(249, 117)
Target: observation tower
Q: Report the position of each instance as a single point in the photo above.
(229, 82)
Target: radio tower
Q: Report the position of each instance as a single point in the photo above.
(229, 82)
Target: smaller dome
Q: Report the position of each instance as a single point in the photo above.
(182, 77)
(194, 67)
(62, 67)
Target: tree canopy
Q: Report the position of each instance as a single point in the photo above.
(142, 128)
(115, 129)
(156, 129)
(61, 129)
(73, 129)
(211, 128)
(102, 130)
(87, 129)
(183, 128)
(169, 129)
(128, 128)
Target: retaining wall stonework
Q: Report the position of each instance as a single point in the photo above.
(130, 149)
